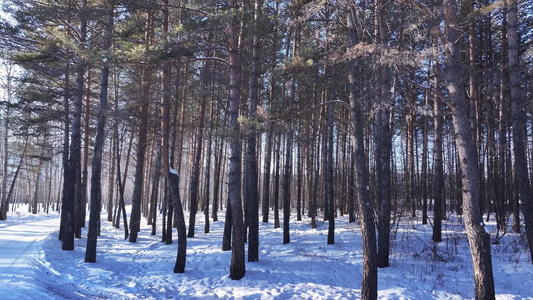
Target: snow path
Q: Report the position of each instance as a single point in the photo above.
(21, 252)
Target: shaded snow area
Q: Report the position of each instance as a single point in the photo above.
(33, 266)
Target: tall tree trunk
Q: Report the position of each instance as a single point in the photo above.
(287, 189)
(65, 230)
(329, 177)
(478, 238)
(181, 257)
(121, 183)
(503, 167)
(424, 178)
(251, 155)
(4, 202)
(84, 172)
(265, 205)
(37, 182)
(79, 204)
(369, 285)
(152, 216)
(111, 182)
(438, 189)
(237, 268)
(276, 183)
(96, 166)
(316, 178)
(195, 181)
(216, 184)
(207, 189)
(519, 123)
(72, 194)
(383, 146)
(299, 180)
(138, 184)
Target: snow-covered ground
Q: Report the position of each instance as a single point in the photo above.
(33, 266)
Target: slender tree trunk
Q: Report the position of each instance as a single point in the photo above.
(4, 201)
(276, 183)
(75, 157)
(195, 181)
(425, 158)
(478, 238)
(152, 217)
(383, 146)
(251, 155)
(299, 179)
(216, 184)
(179, 267)
(207, 189)
(84, 172)
(266, 177)
(121, 183)
(438, 190)
(287, 189)
(71, 184)
(111, 187)
(96, 166)
(138, 185)
(65, 230)
(237, 268)
(519, 123)
(316, 179)
(503, 167)
(329, 178)
(369, 285)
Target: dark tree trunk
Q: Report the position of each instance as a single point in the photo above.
(138, 184)
(369, 285)
(216, 184)
(252, 178)
(75, 156)
(237, 268)
(152, 217)
(266, 177)
(329, 178)
(179, 267)
(121, 184)
(438, 189)
(65, 232)
(315, 179)
(299, 180)
(195, 181)
(226, 236)
(84, 172)
(96, 166)
(478, 238)
(276, 182)
(287, 189)
(383, 146)
(207, 189)
(519, 119)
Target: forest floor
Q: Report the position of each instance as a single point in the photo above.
(33, 266)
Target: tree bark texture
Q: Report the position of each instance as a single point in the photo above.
(478, 238)
(237, 267)
(369, 285)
